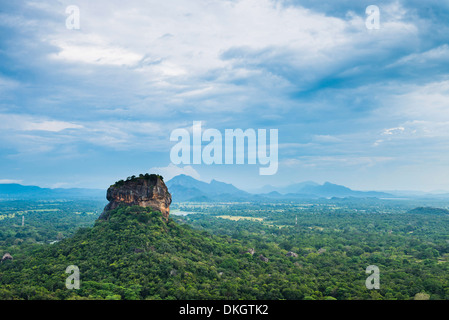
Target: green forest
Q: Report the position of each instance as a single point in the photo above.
(307, 251)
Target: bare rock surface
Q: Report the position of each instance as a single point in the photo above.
(144, 191)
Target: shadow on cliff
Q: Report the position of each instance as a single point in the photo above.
(148, 191)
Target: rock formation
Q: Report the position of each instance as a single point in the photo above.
(251, 251)
(291, 254)
(6, 256)
(145, 191)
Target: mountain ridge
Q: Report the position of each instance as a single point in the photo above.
(187, 188)
(19, 191)
(137, 254)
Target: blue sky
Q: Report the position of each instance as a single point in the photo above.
(365, 108)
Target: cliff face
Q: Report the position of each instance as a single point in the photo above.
(149, 191)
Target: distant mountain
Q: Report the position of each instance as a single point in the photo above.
(419, 194)
(310, 189)
(18, 191)
(292, 188)
(214, 187)
(298, 187)
(186, 188)
(334, 190)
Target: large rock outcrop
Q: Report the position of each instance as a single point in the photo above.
(6, 256)
(145, 191)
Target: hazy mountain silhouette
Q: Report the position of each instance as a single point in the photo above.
(186, 188)
(292, 188)
(18, 191)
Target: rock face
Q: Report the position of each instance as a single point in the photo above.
(291, 254)
(6, 256)
(251, 251)
(145, 191)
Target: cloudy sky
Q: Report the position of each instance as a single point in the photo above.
(367, 108)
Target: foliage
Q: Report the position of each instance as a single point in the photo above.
(204, 255)
(145, 176)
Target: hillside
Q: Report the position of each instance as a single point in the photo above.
(137, 255)
(251, 251)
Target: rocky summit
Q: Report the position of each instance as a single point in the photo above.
(147, 190)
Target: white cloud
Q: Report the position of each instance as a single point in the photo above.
(393, 131)
(97, 55)
(93, 49)
(40, 134)
(18, 122)
(428, 102)
(175, 40)
(158, 58)
(9, 181)
(440, 53)
(134, 69)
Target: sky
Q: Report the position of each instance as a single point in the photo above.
(365, 108)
